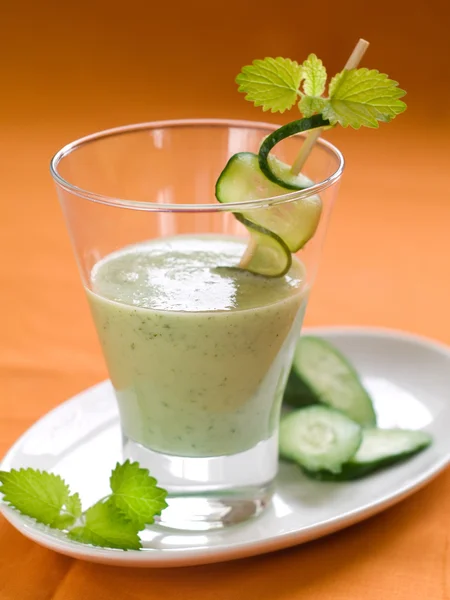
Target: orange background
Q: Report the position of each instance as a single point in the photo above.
(68, 69)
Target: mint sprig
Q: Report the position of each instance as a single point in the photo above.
(113, 522)
(356, 97)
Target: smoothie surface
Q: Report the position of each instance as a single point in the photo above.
(186, 273)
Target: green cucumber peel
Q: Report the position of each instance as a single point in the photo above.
(293, 128)
(257, 231)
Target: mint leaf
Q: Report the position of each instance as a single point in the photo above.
(135, 494)
(309, 105)
(64, 521)
(103, 526)
(314, 76)
(73, 506)
(71, 513)
(113, 522)
(363, 97)
(271, 83)
(39, 495)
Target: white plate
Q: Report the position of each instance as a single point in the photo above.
(409, 378)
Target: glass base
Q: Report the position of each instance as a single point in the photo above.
(211, 492)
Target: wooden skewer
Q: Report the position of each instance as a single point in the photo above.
(354, 59)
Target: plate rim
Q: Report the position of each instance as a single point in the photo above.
(206, 555)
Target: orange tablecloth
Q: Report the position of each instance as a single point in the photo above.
(68, 70)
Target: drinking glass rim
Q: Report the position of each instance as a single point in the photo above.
(216, 207)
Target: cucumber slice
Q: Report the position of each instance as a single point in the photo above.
(320, 373)
(319, 438)
(294, 222)
(297, 393)
(267, 254)
(248, 176)
(242, 179)
(379, 448)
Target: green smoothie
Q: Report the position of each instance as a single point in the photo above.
(198, 352)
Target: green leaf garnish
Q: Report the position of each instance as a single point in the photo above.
(104, 526)
(311, 105)
(271, 83)
(135, 494)
(73, 505)
(63, 521)
(72, 512)
(357, 97)
(113, 522)
(362, 97)
(314, 76)
(39, 495)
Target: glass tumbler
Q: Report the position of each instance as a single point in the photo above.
(198, 351)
